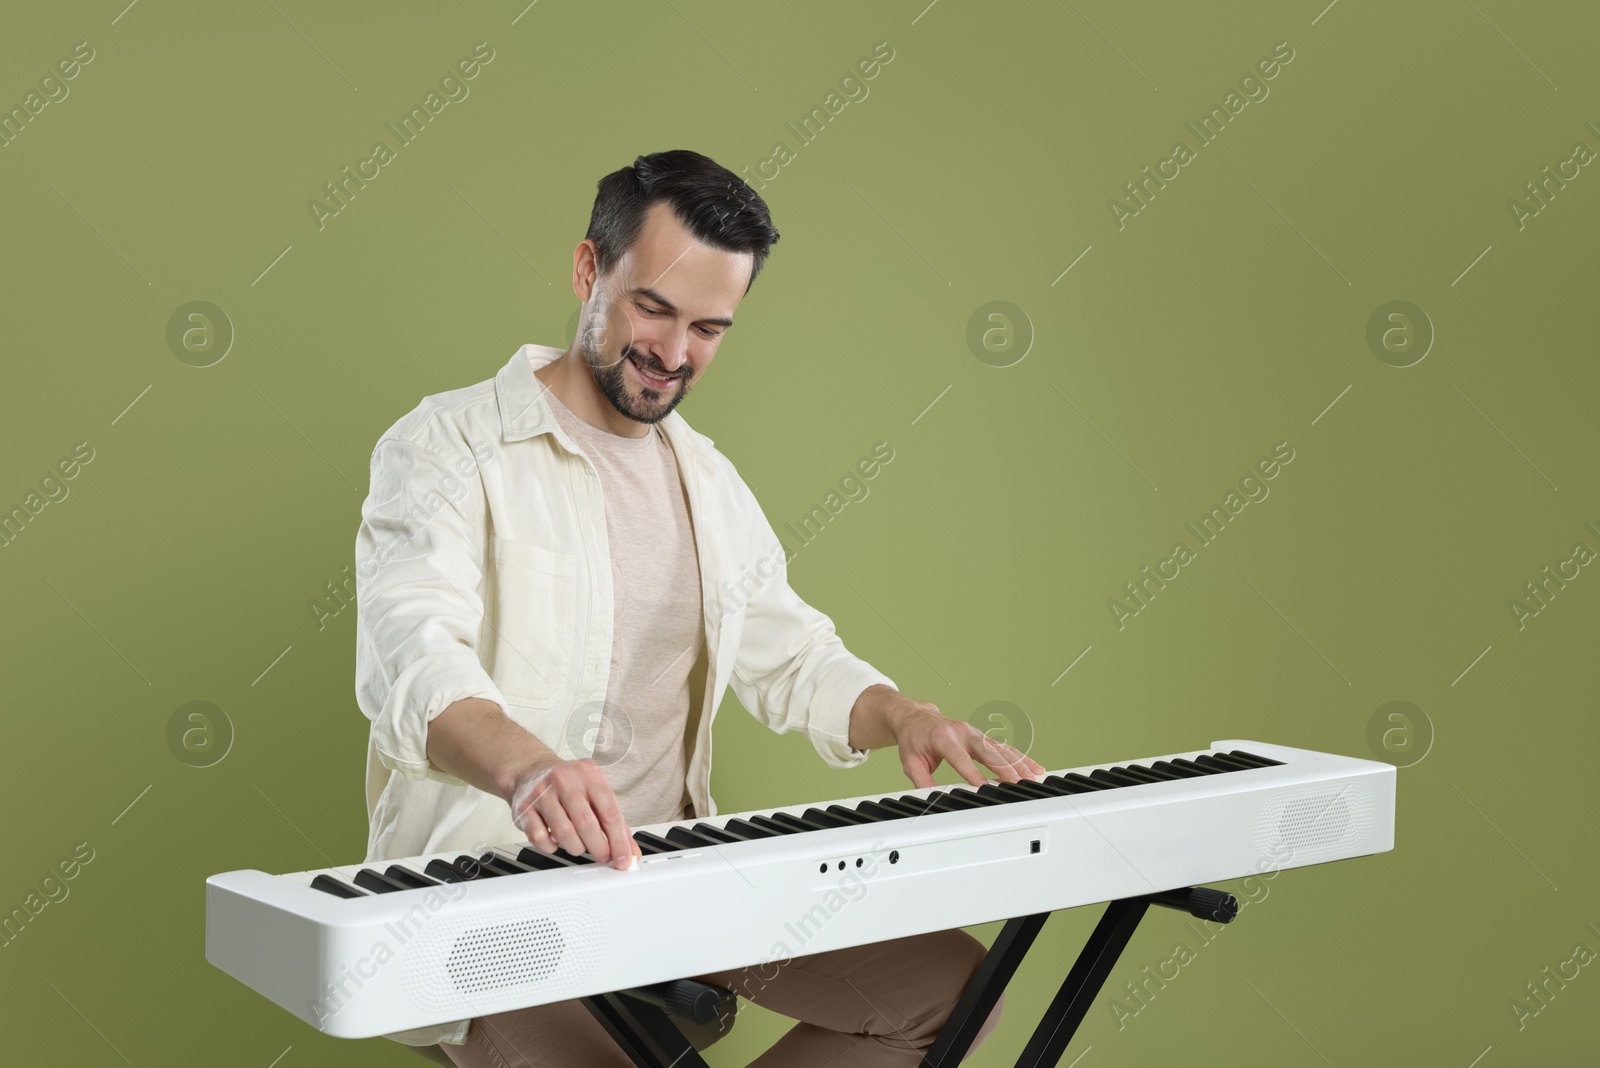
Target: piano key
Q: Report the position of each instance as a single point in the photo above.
(767, 823)
(851, 814)
(685, 837)
(881, 812)
(794, 822)
(574, 858)
(708, 830)
(1018, 791)
(1232, 762)
(442, 871)
(406, 877)
(1077, 784)
(1207, 760)
(894, 804)
(650, 844)
(1114, 777)
(1176, 771)
(920, 804)
(543, 861)
(748, 831)
(1135, 772)
(472, 867)
(504, 864)
(1036, 789)
(957, 800)
(328, 884)
(1258, 761)
(977, 794)
(367, 879)
(1204, 769)
(827, 819)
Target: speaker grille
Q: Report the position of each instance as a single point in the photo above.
(487, 958)
(1302, 825)
(548, 948)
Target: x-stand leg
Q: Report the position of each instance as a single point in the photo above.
(639, 1021)
(1060, 1021)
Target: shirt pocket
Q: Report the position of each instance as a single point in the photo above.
(535, 621)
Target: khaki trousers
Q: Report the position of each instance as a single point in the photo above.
(869, 1006)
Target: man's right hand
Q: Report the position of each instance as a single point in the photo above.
(569, 803)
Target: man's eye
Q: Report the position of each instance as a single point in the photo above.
(708, 332)
(649, 310)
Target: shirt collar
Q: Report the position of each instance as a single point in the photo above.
(524, 412)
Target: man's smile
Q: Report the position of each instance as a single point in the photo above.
(651, 380)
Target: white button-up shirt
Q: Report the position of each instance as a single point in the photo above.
(483, 570)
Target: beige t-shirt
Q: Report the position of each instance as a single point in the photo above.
(658, 634)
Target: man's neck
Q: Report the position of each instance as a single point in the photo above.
(573, 384)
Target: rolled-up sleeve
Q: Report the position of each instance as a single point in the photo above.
(792, 671)
(419, 566)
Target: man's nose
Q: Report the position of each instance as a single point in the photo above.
(674, 352)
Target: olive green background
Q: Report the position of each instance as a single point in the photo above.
(1231, 314)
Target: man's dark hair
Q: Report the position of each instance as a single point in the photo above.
(711, 202)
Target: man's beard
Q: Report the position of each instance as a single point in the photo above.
(612, 381)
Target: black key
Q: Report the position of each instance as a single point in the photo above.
(445, 873)
(881, 812)
(1204, 769)
(956, 801)
(767, 823)
(1015, 791)
(328, 884)
(748, 831)
(852, 815)
(650, 844)
(1077, 784)
(1116, 778)
(473, 868)
(790, 820)
(1221, 764)
(1173, 769)
(716, 834)
(368, 879)
(919, 804)
(574, 858)
(962, 799)
(1259, 761)
(685, 837)
(543, 861)
(894, 804)
(408, 878)
(505, 865)
(826, 819)
(1232, 762)
(1035, 789)
(1136, 772)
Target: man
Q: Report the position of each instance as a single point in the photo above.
(557, 581)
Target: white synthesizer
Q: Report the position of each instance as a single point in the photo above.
(366, 950)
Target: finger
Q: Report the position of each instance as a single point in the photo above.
(561, 831)
(918, 769)
(586, 826)
(615, 828)
(956, 753)
(538, 834)
(1008, 762)
(1005, 759)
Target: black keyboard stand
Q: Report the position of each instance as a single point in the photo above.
(1071, 1004)
(639, 1021)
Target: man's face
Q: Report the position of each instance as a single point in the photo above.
(652, 324)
